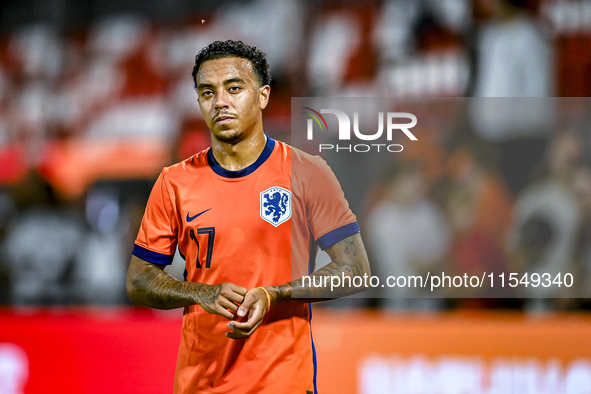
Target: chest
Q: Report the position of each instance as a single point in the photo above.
(221, 220)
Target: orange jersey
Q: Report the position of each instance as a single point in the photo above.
(259, 226)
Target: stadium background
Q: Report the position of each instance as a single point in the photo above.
(95, 98)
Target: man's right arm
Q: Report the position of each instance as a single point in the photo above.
(149, 285)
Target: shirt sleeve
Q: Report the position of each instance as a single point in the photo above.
(329, 217)
(157, 238)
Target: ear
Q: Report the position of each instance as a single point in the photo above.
(264, 93)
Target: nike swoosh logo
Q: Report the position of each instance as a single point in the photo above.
(190, 219)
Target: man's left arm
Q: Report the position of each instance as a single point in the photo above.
(348, 259)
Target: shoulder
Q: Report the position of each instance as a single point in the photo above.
(303, 159)
(312, 176)
(303, 166)
(187, 166)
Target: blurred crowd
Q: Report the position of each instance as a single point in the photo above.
(463, 204)
(89, 115)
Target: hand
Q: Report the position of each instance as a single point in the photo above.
(255, 300)
(222, 299)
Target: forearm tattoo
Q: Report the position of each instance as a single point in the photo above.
(156, 289)
(350, 262)
(279, 293)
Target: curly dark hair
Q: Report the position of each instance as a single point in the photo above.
(230, 48)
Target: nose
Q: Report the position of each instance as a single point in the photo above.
(222, 100)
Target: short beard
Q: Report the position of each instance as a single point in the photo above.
(232, 139)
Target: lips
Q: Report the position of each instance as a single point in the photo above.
(223, 118)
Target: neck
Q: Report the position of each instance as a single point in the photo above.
(235, 157)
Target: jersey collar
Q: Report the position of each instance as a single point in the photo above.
(218, 169)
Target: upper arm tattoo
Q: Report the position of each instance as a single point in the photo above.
(349, 247)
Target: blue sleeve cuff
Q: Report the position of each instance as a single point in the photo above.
(152, 257)
(337, 234)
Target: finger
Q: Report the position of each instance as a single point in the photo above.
(233, 292)
(237, 289)
(240, 334)
(255, 317)
(234, 297)
(237, 333)
(227, 304)
(236, 330)
(222, 311)
(232, 335)
(249, 300)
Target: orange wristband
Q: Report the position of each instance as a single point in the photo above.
(268, 297)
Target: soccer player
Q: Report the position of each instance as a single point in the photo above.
(248, 215)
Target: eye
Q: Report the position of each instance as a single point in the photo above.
(206, 93)
(235, 89)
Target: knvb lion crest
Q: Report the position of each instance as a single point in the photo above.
(276, 205)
